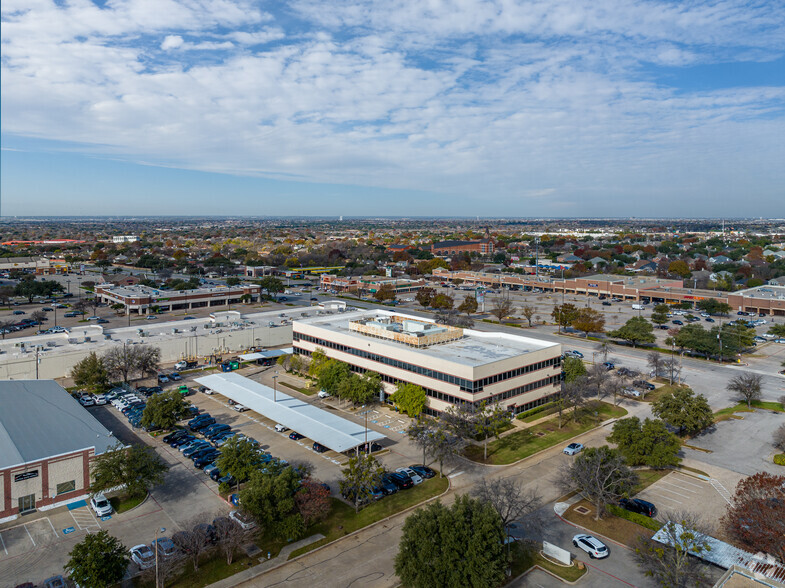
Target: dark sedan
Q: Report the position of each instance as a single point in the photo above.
(423, 471)
(402, 481)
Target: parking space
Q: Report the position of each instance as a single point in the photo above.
(25, 537)
(679, 492)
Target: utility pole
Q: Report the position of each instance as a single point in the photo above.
(275, 387)
(537, 259)
(36, 361)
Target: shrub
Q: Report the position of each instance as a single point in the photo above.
(535, 410)
(779, 459)
(224, 488)
(634, 517)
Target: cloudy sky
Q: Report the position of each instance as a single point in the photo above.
(394, 107)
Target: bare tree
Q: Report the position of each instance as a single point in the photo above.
(528, 312)
(575, 393)
(747, 386)
(604, 350)
(229, 536)
(676, 564)
(194, 542)
(654, 359)
(598, 378)
(39, 315)
(502, 306)
(168, 568)
(600, 475)
(439, 439)
(779, 437)
(614, 386)
(508, 498)
(5, 327)
(123, 361)
(148, 360)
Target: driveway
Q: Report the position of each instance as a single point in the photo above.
(743, 445)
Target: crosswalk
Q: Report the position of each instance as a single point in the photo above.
(84, 519)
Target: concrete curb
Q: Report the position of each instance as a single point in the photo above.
(562, 580)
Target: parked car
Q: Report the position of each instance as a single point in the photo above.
(296, 436)
(194, 447)
(608, 365)
(387, 486)
(318, 448)
(208, 469)
(54, 582)
(242, 519)
(423, 471)
(639, 506)
(677, 322)
(86, 401)
(323, 394)
(606, 303)
(203, 424)
(100, 505)
(164, 546)
(143, 556)
(174, 435)
(195, 420)
(239, 408)
(573, 448)
(178, 442)
(591, 545)
(402, 481)
(206, 458)
(175, 377)
(573, 353)
(412, 474)
(643, 384)
(163, 379)
(281, 428)
(633, 392)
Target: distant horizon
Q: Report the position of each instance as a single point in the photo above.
(564, 108)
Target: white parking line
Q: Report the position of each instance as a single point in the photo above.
(455, 475)
(661, 497)
(53, 527)
(29, 535)
(684, 481)
(3, 542)
(680, 487)
(672, 492)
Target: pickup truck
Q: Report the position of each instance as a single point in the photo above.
(185, 365)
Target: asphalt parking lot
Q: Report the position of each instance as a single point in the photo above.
(680, 492)
(743, 444)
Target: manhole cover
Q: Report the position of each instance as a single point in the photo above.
(539, 434)
(582, 510)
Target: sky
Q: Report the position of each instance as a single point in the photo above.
(393, 107)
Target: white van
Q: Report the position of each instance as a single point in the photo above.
(637, 307)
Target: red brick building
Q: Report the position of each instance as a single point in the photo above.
(447, 248)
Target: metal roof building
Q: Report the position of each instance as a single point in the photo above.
(47, 440)
(324, 427)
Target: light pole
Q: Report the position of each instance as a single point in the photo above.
(275, 387)
(68, 285)
(160, 530)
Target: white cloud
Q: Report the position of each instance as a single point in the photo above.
(484, 99)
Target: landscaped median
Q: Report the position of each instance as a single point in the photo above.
(342, 519)
(524, 560)
(729, 413)
(527, 442)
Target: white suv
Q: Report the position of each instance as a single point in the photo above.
(591, 545)
(100, 505)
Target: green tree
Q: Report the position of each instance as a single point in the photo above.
(648, 443)
(238, 457)
(662, 308)
(528, 313)
(564, 314)
(713, 306)
(424, 296)
(684, 410)
(659, 318)
(573, 368)
(442, 302)
(269, 498)
(164, 410)
(409, 398)
(778, 330)
(137, 468)
(588, 321)
(462, 545)
(435, 439)
(90, 374)
(469, 305)
(636, 330)
(331, 374)
(98, 561)
(318, 359)
(386, 292)
(232, 281)
(600, 475)
(271, 285)
(490, 420)
(680, 268)
(360, 476)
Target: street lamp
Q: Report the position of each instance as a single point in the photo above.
(161, 530)
(275, 387)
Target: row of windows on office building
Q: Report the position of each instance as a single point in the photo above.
(507, 394)
(465, 385)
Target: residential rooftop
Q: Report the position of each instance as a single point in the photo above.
(473, 348)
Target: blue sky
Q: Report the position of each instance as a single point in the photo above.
(394, 107)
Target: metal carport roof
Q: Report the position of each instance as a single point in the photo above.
(272, 353)
(324, 427)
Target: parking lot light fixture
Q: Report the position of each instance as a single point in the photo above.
(275, 387)
(161, 530)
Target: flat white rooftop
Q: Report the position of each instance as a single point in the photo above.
(138, 290)
(323, 426)
(475, 348)
(765, 292)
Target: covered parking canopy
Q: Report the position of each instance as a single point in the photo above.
(324, 427)
(270, 354)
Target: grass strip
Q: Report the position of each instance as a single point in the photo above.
(306, 391)
(343, 520)
(610, 526)
(527, 442)
(122, 504)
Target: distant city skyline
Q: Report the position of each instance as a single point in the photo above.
(558, 108)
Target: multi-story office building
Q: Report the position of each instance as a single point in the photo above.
(453, 365)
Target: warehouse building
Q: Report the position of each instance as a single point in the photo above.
(453, 365)
(47, 440)
(143, 299)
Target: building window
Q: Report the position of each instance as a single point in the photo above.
(66, 487)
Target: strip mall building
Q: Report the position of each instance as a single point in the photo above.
(452, 365)
(143, 299)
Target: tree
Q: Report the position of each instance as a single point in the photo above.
(164, 410)
(271, 285)
(229, 536)
(573, 368)
(98, 561)
(442, 302)
(269, 498)
(598, 379)
(361, 475)
(600, 475)
(136, 467)
(508, 498)
(5, 326)
(409, 398)
(232, 281)
(588, 321)
(318, 359)
(680, 268)
(462, 545)
(747, 386)
(659, 318)
(490, 420)
(469, 305)
(331, 374)
(90, 374)
(755, 518)
(239, 457)
(777, 330)
(565, 314)
(502, 307)
(676, 564)
(424, 296)
(123, 361)
(528, 313)
(147, 360)
(779, 437)
(684, 410)
(386, 292)
(654, 359)
(636, 330)
(6, 292)
(649, 443)
(713, 306)
(313, 501)
(436, 439)
(39, 316)
(194, 542)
